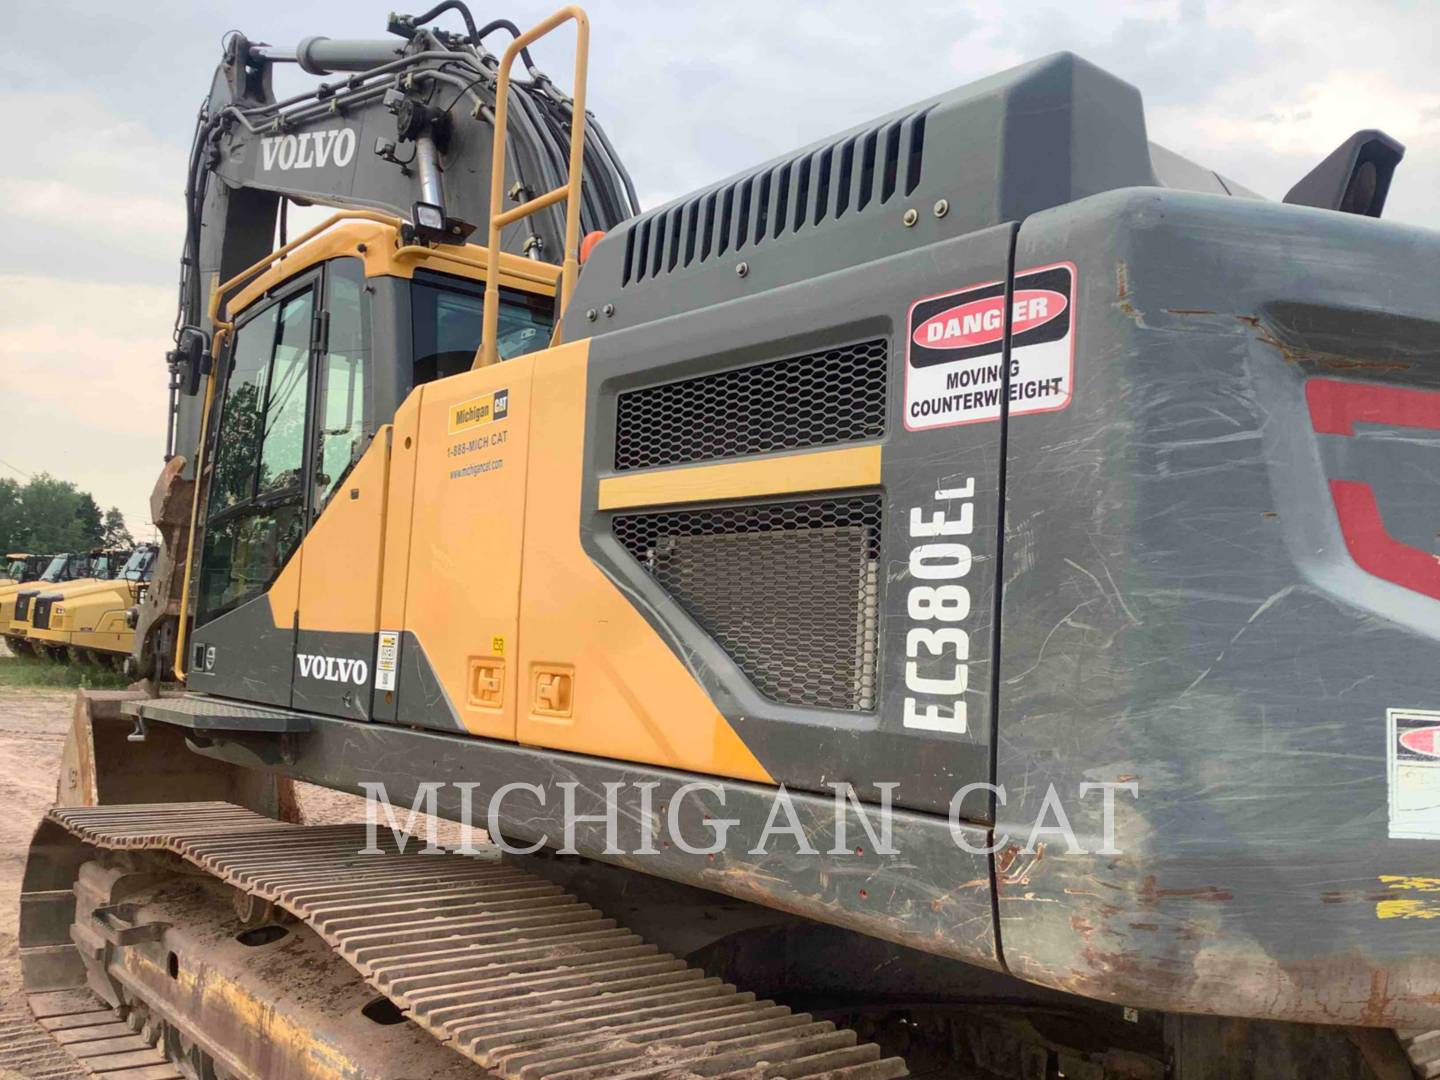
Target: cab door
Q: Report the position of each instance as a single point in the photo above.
(244, 637)
(346, 476)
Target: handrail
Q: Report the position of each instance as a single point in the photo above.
(259, 266)
(570, 192)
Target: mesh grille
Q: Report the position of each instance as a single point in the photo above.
(821, 398)
(41, 618)
(22, 606)
(789, 590)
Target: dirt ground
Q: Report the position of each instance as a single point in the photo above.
(33, 726)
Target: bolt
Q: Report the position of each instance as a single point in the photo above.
(609, 310)
(942, 207)
(592, 315)
(742, 269)
(911, 216)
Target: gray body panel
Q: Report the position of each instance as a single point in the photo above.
(252, 659)
(809, 748)
(1181, 610)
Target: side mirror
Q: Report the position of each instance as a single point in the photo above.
(190, 359)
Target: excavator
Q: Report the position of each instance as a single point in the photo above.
(958, 599)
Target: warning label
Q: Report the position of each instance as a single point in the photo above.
(387, 659)
(1414, 773)
(955, 371)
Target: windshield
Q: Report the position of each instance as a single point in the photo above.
(137, 567)
(15, 568)
(56, 570)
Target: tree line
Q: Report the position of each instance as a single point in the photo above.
(44, 516)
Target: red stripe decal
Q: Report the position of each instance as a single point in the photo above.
(1375, 550)
(1336, 407)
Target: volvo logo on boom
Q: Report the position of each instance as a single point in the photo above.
(308, 150)
(333, 669)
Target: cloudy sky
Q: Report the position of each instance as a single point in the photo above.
(98, 100)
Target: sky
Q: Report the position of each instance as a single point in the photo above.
(97, 103)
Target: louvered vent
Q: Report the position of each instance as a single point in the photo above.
(846, 177)
(789, 590)
(821, 398)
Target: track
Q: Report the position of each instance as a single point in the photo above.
(91, 1034)
(500, 965)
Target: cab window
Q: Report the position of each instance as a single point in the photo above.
(341, 383)
(256, 503)
(447, 320)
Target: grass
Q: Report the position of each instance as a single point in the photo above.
(27, 671)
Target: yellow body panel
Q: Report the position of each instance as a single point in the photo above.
(336, 589)
(468, 523)
(21, 627)
(91, 615)
(821, 471)
(400, 512)
(7, 604)
(632, 697)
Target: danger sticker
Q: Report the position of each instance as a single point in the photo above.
(955, 371)
(1414, 773)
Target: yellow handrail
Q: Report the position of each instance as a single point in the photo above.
(259, 266)
(223, 328)
(570, 192)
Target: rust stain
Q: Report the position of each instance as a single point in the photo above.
(1151, 893)
(1189, 311)
(1378, 1003)
(1014, 864)
(1111, 962)
(1122, 291)
(1152, 927)
(1328, 361)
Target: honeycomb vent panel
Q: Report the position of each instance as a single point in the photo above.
(789, 590)
(819, 399)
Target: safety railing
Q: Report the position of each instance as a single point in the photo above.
(569, 192)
